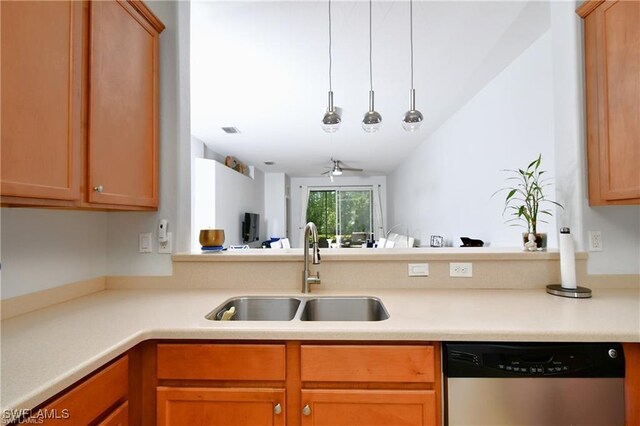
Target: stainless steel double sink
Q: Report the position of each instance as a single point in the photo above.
(313, 308)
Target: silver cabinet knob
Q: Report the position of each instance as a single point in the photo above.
(277, 409)
(306, 410)
(613, 353)
(98, 188)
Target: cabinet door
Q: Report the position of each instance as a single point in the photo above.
(618, 86)
(123, 72)
(220, 407)
(632, 384)
(368, 408)
(41, 99)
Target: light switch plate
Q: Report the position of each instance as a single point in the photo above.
(418, 269)
(461, 270)
(144, 243)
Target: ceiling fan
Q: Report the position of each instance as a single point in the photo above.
(338, 167)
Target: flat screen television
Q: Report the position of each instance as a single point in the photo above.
(251, 227)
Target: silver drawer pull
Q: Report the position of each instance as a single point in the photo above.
(98, 188)
(277, 409)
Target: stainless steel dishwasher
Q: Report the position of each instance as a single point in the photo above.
(541, 384)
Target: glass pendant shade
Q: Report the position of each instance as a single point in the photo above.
(331, 120)
(412, 119)
(372, 119)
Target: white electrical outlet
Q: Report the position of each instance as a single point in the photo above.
(144, 243)
(418, 269)
(164, 247)
(460, 270)
(595, 241)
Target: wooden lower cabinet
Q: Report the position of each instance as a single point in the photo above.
(370, 384)
(369, 407)
(296, 384)
(118, 417)
(92, 401)
(220, 406)
(632, 384)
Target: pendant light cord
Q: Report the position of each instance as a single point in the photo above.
(370, 51)
(411, 33)
(330, 88)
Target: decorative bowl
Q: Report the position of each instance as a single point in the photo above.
(211, 237)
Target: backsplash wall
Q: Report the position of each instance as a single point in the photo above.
(444, 187)
(44, 248)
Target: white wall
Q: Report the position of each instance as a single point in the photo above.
(620, 225)
(237, 194)
(123, 227)
(444, 187)
(275, 214)
(42, 249)
(204, 197)
(295, 221)
(222, 197)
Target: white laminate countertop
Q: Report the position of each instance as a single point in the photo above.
(47, 350)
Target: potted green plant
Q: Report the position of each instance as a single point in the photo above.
(527, 202)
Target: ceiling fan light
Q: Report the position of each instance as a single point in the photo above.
(337, 170)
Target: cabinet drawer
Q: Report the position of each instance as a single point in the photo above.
(85, 402)
(221, 362)
(405, 364)
(119, 416)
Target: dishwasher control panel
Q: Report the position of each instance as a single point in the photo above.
(482, 359)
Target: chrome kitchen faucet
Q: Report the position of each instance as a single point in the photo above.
(307, 280)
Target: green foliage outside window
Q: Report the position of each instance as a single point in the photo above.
(340, 212)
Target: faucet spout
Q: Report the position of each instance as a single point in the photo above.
(307, 279)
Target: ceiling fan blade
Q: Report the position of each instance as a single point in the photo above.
(326, 173)
(350, 169)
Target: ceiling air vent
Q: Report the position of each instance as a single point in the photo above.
(231, 130)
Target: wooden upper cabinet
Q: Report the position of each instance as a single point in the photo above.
(80, 104)
(123, 106)
(41, 99)
(612, 59)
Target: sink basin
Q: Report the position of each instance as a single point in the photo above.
(258, 308)
(344, 309)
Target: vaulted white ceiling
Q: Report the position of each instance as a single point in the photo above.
(263, 68)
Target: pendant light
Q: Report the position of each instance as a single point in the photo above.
(412, 119)
(372, 118)
(331, 120)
